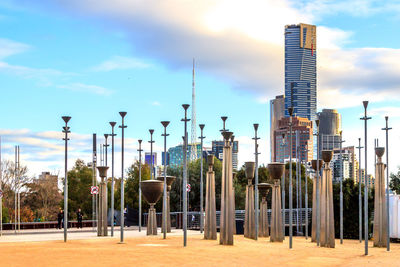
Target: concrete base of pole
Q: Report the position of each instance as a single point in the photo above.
(152, 221)
(249, 219)
(380, 215)
(276, 214)
(210, 225)
(263, 222)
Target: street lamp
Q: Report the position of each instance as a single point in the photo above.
(165, 124)
(341, 187)
(359, 191)
(317, 185)
(365, 119)
(201, 178)
(284, 145)
(112, 123)
(151, 153)
(66, 131)
(140, 184)
(122, 216)
(306, 188)
(106, 147)
(290, 110)
(256, 153)
(387, 183)
(184, 183)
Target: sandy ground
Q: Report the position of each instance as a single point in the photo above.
(154, 251)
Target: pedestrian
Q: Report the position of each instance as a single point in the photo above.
(125, 217)
(60, 216)
(79, 216)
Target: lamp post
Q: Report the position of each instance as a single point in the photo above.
(140, 184)
(317, 185)
(151, 153)
(256, 153)
(290, 178)
(201, 178)
(122, 126)
(165, 124)
(283, 185)
(306, 189)
(387, 183)
(112, 123)
(66, 131)
(297, 183)
(184, 182)
(341, 187)
(106, 148)
(359, 191)
(365, 119)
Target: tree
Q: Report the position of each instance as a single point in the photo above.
(394, 183)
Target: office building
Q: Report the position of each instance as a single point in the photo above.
(302, 133)
(277, 112)
(175, 154)
(300, 70)
(350, 170)
(330, 125)
(217, 151)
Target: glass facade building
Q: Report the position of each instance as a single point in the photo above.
(300, 70)
(175, 154)
(217, 151)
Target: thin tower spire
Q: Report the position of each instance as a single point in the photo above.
(193, 147)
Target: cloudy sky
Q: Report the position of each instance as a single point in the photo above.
(91, 59)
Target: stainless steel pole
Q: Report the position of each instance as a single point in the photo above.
(359, 191)
(15, 191)
(19, 193)
(366, 230)
(341, 189)
(185, 120)
(306, 191)
(140, 184)
(165, 124)
(112, 123)
(290, 179)
(387, 183)
(66, 131)
(122, 126)
(297, 183)
(256, 210)
(318, 191)
(151, 153)
(201, 179)
(94, 181)
(283, 187)
(1, 197)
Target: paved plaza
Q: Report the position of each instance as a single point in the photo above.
(86, 249)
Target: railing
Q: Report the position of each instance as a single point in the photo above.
(45, 225)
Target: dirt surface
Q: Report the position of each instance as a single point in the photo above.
(154, 251)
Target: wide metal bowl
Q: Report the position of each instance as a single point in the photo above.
(379, 151)
(276, 170)
(327, 155)
(210, 160)
(102, 171)
(170, 181)
(263, 189)
(314, 164)
(152, 190)
(249, 168)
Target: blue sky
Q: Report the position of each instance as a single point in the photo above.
(90, 61)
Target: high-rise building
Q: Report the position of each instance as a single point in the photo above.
(350, 170)
(147, 158)
(300, 70)
(175, 154)
(329, 129)
(217, 151)
(277, 112)
(302, 131)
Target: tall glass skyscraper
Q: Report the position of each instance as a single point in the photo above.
(300, 70)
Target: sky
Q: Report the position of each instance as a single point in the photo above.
(91, 59)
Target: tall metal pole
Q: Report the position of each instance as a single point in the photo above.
(283, 187)
(366, 230)
(387, 183)
(66, 131)
(318, 191)
(1, 198)
(306, 190)
(256, 153)
(140, 184)
(106, 148)
(165, 124)
(184, 183)
(122, 126)
(359, 191)
(290, 178)
(112, 123)
(201, 179)
(297, 183)
(341, 188)
(15, 191)
(94, 181)
(151, 153)
(19, 193)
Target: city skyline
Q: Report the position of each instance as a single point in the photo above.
(74, 59)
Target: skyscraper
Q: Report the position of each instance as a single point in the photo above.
(217, 151)
(329, 129)
(300, 70)
(277, 112)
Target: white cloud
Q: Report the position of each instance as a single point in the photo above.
(9, 48)
(88, 88)
(120, 63)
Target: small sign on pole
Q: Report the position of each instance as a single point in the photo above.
(94, 190)
(1, 193)
(188, 188)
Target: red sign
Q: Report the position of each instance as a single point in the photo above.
(94, 190)
(188, 188)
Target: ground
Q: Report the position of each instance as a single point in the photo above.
(139, 250)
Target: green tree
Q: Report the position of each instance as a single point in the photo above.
(394, 183)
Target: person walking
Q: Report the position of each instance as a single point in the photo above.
(79, 216)
(60, 215)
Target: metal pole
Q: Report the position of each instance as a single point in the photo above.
(66, 131)
(122, 126)
(151, 153)
(366, 230)
(290, 178)
(184, 181)
(283, 186)
(297, 183)
(106, 149)
(165, 124)
(317, 185)
(359, 191)
(15, 191)
(140, 184)
(387, 183)
(341, 188)
(94, 181)
(306, 193)
(201, 179)
(256, 153)
(1, 197)
(112, 123)
(19, 193)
